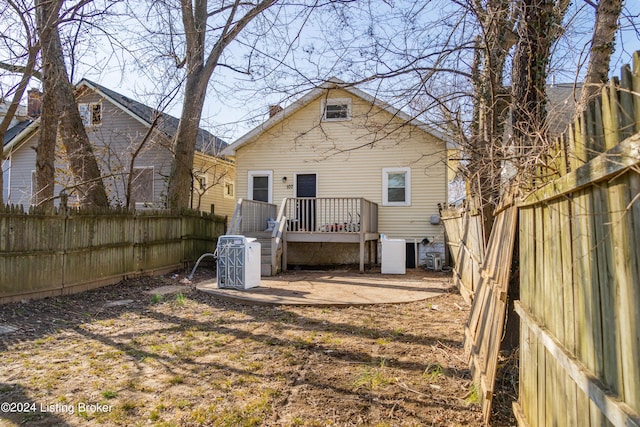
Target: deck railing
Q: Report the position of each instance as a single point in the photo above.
(331, 215)
(251, 216)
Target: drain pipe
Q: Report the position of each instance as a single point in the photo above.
(214, 255)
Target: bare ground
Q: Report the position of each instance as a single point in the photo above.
(126, 355)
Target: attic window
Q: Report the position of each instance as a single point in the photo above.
(91, 114)
(334, 109)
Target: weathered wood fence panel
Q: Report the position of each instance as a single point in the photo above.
(464, 234)
(580, 272)
(484, 329)
(43, 254)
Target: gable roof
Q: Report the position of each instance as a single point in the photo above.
(320, 90)
(16, 130)
(206, 143)
(18, 133)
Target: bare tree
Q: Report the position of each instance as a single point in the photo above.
(602, 45)
(201, 61)
(60, 113)
(538, 30)
(497, 19)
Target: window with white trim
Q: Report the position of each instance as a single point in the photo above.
(260, 184)
(91, 113)
(396, 186)
(229, 190)
(142, 184)
(336, 109)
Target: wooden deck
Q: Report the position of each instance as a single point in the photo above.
(311, 220)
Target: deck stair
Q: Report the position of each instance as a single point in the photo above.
(306, 220)
(264, 238)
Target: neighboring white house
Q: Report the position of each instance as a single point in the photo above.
(117, 128)
(340, 142)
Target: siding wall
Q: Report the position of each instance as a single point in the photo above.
(115, 141)
(218, 172)
(23, 162)
(348, 157)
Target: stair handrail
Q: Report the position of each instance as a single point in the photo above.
(277, 235)
(236, 219)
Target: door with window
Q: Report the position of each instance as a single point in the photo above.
(306, 186)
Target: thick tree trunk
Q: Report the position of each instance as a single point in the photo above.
(199, 71)
(45, 151)
(491, 106)
(539, 29)
(74, 137)
(184, 143)
(602, 46)
(46, 16)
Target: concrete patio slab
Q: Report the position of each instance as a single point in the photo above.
(337, 287)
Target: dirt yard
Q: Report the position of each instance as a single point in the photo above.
(128, 355)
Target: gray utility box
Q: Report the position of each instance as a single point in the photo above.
(238, 264)
(434, 261)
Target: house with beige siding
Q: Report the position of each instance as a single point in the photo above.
(131, 142)
(340, 168)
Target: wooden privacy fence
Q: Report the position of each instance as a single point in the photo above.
(464, 234)
(61, 252)
(485, 327)
(579, 302)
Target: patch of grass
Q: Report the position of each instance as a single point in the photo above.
(155, 413)
(42, 341)
(106, 322)
(156, 299)
(180, 300)
(255, 366)
(183, 404)
(177, 379)
(372, 378)
(109, 394)
(433, 372)
(383, 341)
(331, 339)
(473, 397)
(252, 414)
(398, 332)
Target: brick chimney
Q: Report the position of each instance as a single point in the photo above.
(274, 109)
(34, 103)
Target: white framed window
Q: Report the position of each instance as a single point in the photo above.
(396, 186)
(229, 190)
(336, 109)
(91, 113)
(142, 184)
(260, 185)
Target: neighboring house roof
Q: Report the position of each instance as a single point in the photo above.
(18, 133)
(332, 83)
(561, 107)
(15, 130)
(206, 143)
